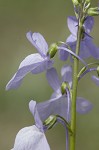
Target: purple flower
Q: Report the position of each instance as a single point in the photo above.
(87, 47)
(96, 80)
(29, 138)
(55, 106)
(32, 137)
(41, 111)
(83, 105)
(34, 63)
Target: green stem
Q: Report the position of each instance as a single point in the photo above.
(74, 90)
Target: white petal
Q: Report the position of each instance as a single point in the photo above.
(31, 138)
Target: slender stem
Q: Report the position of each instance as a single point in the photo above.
(74, 90)
(87, 71)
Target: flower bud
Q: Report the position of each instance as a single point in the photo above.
(50, 121)
(52, 50)
(93, 11)
(63, 88)
(76, 2)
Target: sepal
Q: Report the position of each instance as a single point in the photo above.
(52, 50)
(93, 11)
(50, 121)
(63, 88)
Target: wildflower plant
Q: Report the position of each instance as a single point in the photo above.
(64, 102)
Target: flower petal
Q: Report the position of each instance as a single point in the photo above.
(43, 66)
(63, 55)
(72, 24)
(53, 107)
(36, 115)
(30, 138)
(56, 95)
(66, 73)
(83, 105)
(88, 24)
(39, 42)
(71, 39)
(53, 79)
(84, 50)
(72, 53)
(27, 65)
(94, 51)
(96, 80)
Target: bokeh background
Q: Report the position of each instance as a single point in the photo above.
(49, 18)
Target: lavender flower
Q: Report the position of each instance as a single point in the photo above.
(56, 106)
(30, 138)
(33, 137)
(83, 105)
(41, 111)
(34, 63)
(87, 47)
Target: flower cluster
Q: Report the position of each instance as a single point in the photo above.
(58, 108)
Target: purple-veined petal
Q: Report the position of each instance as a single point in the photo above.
(72, 53)
(31, 138)
(66, 73)
(72, 24)
(88, 24)
(56, 95)
(27, 65)
(83, 105)
(35, 113)
(53, 79)
(43, 66)
(96, 80)
(63, 55)
(94, 51)
(53, 107)
(39, 42)
(71, 39)
(84, 50)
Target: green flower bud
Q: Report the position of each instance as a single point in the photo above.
(98, 71)
(52, 50)
(93, 11)
(76, 2)
(63, 88)
(50, 121)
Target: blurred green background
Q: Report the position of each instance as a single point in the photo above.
(49, 18)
